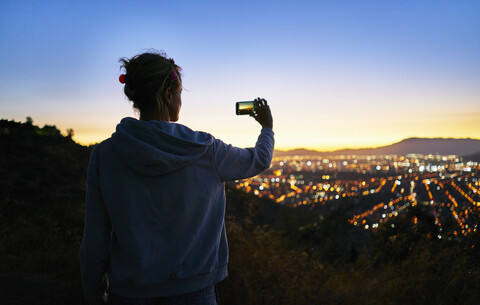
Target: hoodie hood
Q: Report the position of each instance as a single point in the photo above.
(157, 147)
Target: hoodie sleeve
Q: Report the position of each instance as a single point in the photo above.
(235, 163)
(95, 247)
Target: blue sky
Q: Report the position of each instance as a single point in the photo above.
(336, 73)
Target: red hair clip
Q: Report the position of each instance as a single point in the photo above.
(122, 78)
(173, 75)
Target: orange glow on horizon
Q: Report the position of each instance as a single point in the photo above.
(353, 132)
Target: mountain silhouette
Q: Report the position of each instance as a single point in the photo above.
(424, 146)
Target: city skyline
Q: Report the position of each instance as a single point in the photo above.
(336, 74)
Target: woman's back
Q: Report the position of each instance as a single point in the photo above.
(165, 205)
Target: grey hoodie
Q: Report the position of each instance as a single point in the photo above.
(155, 206)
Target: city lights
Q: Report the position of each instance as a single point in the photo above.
(379, 187)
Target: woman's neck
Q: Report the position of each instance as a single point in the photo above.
(154, 116)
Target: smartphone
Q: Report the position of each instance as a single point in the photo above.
(245, 108)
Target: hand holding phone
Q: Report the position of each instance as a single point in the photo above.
(258, 109)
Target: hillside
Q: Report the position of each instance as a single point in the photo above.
(425, 146)
(42, 190)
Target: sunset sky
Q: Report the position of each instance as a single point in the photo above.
(337, 74)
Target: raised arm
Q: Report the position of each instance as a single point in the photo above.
(234, 163)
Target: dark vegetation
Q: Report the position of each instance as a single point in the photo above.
(278, 255)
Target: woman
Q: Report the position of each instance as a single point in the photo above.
(155, 204)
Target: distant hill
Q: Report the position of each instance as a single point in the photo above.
(297, 152)
(473, 157)
(442, 146)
